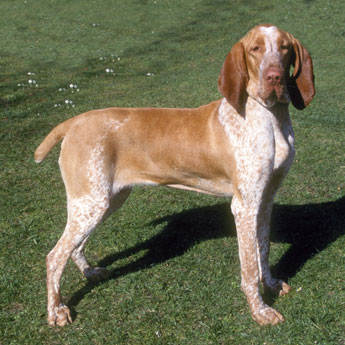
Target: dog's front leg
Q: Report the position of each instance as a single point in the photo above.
(263, 239)
(247, 215)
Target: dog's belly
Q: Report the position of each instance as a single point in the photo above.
(206, 187)
(206, 181)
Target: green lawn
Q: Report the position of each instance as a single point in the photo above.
(173, 254)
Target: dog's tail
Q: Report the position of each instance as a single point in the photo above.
(57, 134)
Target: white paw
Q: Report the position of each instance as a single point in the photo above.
(266, 315)
(60, 317)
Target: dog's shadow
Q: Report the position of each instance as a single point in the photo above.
(308, 229)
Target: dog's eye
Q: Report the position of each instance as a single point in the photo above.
(284, 48)
(255, 49)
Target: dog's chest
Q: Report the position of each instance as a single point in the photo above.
(262, 140)
(284, 144)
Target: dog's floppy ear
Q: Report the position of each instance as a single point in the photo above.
(233, 78)
(301, 84)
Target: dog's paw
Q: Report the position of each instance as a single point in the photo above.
(96, 274)
(61, 316)
(266, 315)
(278, 287)
(284, 288)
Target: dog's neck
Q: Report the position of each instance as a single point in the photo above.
(276, 108)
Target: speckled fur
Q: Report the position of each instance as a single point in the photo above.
(263, 153)
(240, 146)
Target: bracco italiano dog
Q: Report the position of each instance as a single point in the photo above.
(241, 146)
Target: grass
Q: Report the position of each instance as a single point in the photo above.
(173, 254)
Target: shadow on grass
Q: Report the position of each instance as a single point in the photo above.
(308, 228)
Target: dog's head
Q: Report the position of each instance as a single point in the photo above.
(259, 66)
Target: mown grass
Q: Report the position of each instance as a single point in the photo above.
(173, 254)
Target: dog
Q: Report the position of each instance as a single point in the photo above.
(241, 145)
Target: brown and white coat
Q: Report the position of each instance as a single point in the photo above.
(240, 146)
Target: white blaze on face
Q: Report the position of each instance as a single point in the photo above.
(271, 59)
(271, 34)
(271, 56)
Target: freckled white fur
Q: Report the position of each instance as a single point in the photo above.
(115, 124)
(261, 147)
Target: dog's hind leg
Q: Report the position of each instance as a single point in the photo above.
(98, 273)
(84, 214)
(91, 197)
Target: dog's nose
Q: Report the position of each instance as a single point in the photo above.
(274, 76)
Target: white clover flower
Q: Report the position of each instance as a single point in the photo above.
(30, 81)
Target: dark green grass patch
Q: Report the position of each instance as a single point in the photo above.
(173, 255)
